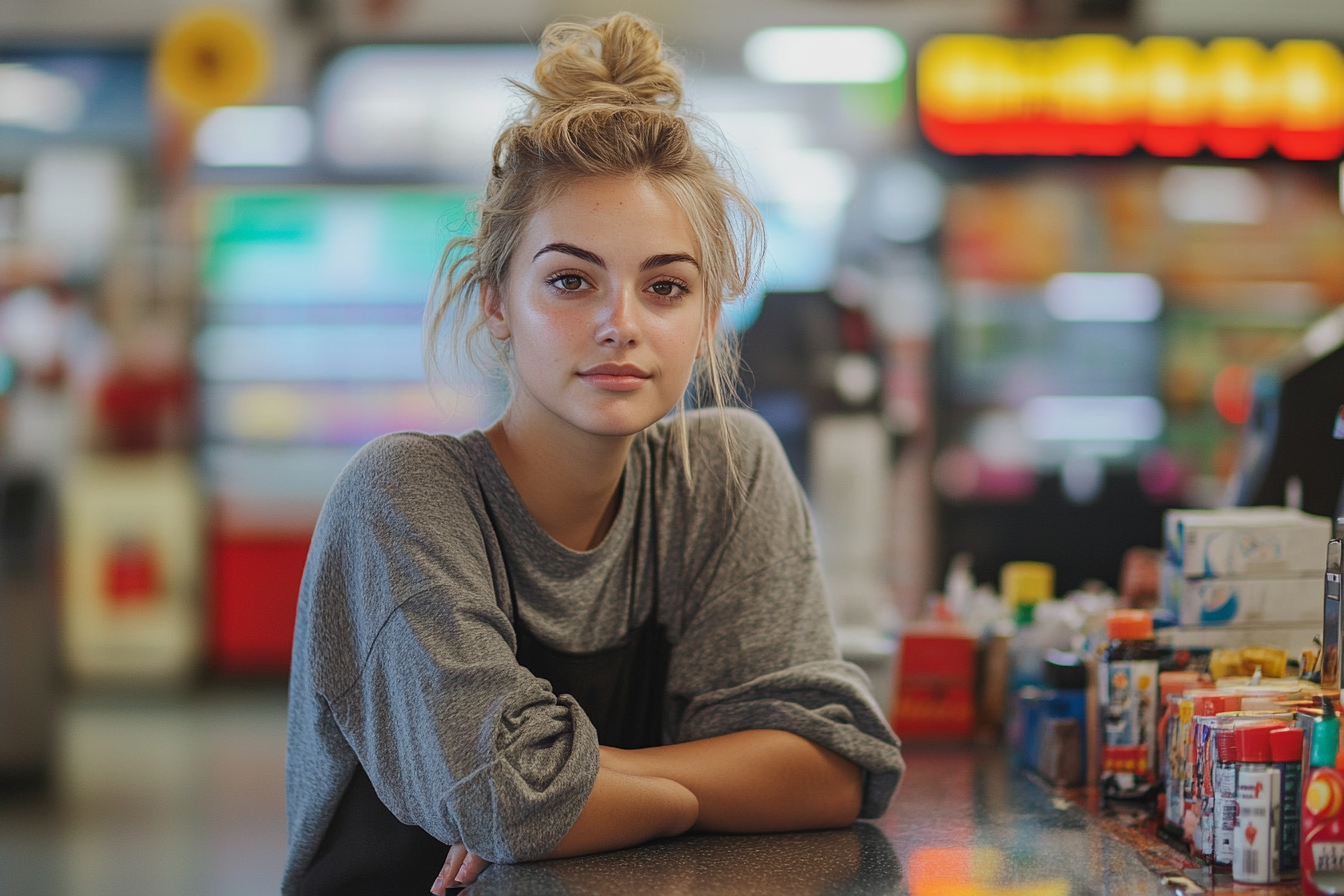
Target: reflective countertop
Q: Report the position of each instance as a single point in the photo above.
(964, 823)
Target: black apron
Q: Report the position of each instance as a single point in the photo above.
(366, 851)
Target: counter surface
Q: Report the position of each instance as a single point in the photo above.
(962, 815)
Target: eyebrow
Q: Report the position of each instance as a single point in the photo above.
(653, 261)
(657, 261)
(568, 249)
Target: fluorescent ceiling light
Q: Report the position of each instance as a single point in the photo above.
(420, 107)
(255, 136)
(1214, 194)
(32, 98)
(1121, 298)
(1083, 418)
(833, 54)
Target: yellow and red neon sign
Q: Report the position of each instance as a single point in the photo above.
(1097, 94)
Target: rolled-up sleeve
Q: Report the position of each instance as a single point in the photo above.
(415, 659)
(757, 643)
(459, 739)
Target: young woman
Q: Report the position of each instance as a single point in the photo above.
(589, 625)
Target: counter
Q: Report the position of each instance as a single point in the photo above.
(963, 824)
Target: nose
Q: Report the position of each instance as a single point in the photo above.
(618, 323)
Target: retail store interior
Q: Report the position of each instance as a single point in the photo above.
(1048, 281)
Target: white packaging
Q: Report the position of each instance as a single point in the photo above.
(1255, 857)
(1244, 601)
(131, 528)
(1246, 541)
(1292, 638)
(1225, 810)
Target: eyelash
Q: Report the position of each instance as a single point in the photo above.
(554, 280)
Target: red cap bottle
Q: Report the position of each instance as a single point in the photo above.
(1285, 744)
(1253, 743)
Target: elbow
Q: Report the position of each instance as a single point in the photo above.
(843, 797)
(842, 809)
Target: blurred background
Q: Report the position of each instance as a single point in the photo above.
(1039, 270)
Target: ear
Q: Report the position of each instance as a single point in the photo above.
(492, 308)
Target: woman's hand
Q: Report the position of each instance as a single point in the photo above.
(459, 869)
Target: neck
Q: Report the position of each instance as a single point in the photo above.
(568, 480)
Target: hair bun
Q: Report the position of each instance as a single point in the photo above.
(618, 61)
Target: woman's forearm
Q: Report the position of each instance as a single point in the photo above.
(624, 810)
(754, 781)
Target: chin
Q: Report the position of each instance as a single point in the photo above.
(619, 422)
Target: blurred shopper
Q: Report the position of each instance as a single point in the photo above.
(589, 625)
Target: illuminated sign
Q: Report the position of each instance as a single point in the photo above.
(1096, 94)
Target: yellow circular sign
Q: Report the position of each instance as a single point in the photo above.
(210, 57)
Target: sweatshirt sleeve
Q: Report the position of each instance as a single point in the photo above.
(415, 658)
(757, 644)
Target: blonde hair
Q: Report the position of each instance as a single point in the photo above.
(607, 103)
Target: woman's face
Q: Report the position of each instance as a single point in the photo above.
(604, 306)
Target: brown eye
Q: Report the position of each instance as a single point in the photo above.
(570, 283)
(664, 288)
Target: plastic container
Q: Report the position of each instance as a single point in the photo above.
(1255, 851)
(1127, 697)
(1322, 853)
(1023, 585)
(1285, 746)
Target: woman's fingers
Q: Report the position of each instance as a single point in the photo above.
(459, 869)
(451, 865)
(471, 868)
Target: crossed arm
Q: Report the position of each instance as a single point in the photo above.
(746, 782)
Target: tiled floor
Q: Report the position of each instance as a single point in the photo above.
(155, 795)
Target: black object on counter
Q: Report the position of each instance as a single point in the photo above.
(1065, 671)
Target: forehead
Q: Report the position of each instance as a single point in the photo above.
(626, 218)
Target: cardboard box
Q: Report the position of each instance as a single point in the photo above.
(1246, 541)
(1291, 638)
(1228, 600)
(935, 686)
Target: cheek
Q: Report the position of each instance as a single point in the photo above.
(680, 338)
(542, 340)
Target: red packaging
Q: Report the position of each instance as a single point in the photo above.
(935, 691)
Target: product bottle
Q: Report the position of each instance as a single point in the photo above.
(1255, 854)
(1322, 854)
(1285, 747)
(1127, 697)
(1224, 819)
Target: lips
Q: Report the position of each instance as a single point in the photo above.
(615, 370)
(615, 377)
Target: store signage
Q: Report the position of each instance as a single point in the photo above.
(1095, 94)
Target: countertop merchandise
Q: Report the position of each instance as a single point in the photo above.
(963, 818)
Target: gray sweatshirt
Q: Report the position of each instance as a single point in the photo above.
(404, 645)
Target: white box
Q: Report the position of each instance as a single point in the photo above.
(1246, 541)
(1244, 601)
(1291, 638)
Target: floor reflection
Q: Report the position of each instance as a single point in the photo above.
(152, 796)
